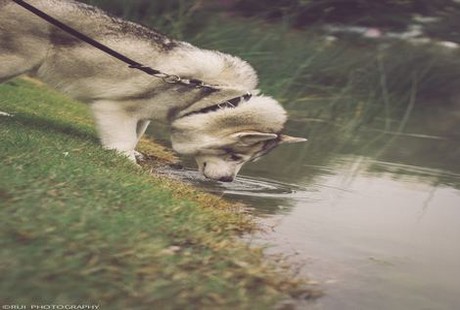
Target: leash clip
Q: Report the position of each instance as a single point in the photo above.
(171, 79)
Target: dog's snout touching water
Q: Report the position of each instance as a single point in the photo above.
(214, 109)
(226, 179)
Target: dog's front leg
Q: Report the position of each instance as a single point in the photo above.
(141, 128)
(117, 128)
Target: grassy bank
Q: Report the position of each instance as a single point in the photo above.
(83, 225)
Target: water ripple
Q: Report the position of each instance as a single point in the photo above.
(241, 186)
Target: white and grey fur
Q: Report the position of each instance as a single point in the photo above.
(124, 100)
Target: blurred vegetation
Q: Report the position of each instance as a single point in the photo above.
(177, 17)
(384, 13)
(174, 17)
(342, 80)
(389, 14)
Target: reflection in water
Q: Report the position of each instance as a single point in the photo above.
(267, 195)
(373, 217)
(388, 239)
(387, 242)
(242, 186)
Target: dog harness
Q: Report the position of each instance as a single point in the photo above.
(231, 103)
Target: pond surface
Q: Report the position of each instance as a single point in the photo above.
(372, 216)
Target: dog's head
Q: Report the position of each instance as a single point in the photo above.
(223, 163)
(222, 141)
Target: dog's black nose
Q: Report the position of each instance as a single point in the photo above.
(226, 179)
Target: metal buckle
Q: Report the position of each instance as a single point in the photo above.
(171, 79)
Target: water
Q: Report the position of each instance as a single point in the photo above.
(375, 241)
(373, 217)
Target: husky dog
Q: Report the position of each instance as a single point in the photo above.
(221, 128)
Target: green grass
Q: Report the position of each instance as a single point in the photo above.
(81, 224)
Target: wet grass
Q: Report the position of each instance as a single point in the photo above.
(82, 224)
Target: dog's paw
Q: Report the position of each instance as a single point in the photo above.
(139, 156)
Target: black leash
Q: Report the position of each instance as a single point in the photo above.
(168, 78)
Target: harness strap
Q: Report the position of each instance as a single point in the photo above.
(231, 103)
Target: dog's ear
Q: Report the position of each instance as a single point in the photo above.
(253, 137)
(289, 139)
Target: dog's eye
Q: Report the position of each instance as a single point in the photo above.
(234, 157)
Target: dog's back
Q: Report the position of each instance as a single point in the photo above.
(28, 41)
(29, 44)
